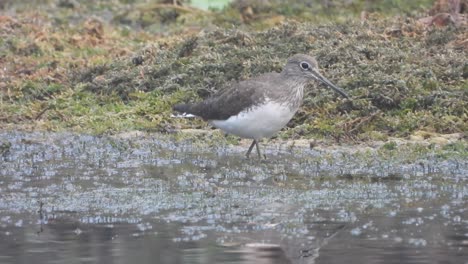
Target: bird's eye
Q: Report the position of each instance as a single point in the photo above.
(305, 65)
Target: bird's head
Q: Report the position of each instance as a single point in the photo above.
(305, 67)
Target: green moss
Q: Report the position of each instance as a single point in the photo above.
(79, 77)
(389, 145)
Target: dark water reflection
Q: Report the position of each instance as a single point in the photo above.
(152, 200)
(60, 242)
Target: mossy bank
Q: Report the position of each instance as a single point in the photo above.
(99, 76)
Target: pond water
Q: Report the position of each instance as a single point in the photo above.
(69, 198)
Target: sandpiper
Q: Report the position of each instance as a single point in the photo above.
(261, 106)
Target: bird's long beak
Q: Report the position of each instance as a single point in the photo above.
(324, 80)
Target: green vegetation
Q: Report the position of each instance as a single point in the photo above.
(124, 72)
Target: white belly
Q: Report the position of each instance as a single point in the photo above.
(259, 122)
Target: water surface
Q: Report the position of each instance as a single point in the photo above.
(68, 198)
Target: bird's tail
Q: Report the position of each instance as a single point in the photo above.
(183, 109)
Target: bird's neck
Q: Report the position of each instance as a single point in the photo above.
(293, 90)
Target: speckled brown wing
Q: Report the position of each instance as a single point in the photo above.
(231, 101)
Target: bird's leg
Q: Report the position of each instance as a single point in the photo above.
(250, 148)
(258, 150)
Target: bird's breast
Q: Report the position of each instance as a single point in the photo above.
(290, 94)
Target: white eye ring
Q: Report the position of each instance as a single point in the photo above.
(304, 65)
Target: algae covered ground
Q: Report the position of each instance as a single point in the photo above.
(110, 67)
